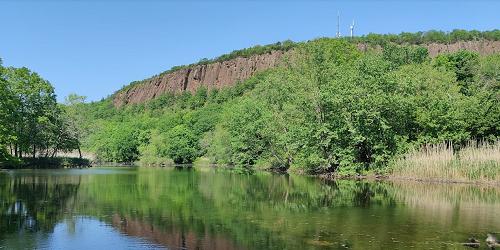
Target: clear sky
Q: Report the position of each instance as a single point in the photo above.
(93, 47)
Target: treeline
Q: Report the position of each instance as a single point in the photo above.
(32, 123)
(410, 38)
(329, 108)
(431, 36)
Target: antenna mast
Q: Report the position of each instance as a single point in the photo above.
(338, 24)
(352, 29)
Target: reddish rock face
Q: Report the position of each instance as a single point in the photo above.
(481, 47)
(221, 74)
(213, 76)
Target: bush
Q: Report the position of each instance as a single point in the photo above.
(180, 145)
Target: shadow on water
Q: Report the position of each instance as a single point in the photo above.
(206, 208)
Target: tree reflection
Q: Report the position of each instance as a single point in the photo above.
(33, 203)
(217, 209)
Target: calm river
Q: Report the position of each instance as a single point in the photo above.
(205, 208)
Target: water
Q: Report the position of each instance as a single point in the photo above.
(204, 208)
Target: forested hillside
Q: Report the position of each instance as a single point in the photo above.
(240, 65)
(328, 107)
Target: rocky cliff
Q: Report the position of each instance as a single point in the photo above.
(214, 75)
(221, 74)
(482, 47)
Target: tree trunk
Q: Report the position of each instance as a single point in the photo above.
(34, 151)
(54, 153)
(79, 152)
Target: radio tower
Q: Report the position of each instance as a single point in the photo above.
(338, 24)
(352, 29)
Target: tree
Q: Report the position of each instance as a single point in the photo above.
(180, 145)
(116, 142)
(464, 63)
(401, 55)
(439, 107)
(35, 113)
(74, 128)
(32, 123)
(6, 107)
(484, 111)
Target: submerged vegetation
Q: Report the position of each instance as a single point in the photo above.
(327, 109)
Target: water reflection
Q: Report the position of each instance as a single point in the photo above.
(217, 209)
(34, 203)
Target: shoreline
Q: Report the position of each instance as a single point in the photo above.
(324, 176)
(47, 163)
(331, 177)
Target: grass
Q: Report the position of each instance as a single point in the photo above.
(475, 162)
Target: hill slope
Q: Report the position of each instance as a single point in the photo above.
(220, 74)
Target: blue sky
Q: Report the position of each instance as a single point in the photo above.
(93, 48)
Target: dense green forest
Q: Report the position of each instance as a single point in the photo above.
(328, 108)
(32, 123)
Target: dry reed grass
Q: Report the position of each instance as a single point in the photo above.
(476, 162)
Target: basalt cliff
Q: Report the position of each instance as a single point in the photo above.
(221, 74)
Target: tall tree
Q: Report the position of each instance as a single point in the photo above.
(32, 123)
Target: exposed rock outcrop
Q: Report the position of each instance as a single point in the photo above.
(481, 47)
(214, 75)
(221, 74)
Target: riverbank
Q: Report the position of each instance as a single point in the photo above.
(473, 163)
(46, 163)
(393, 178)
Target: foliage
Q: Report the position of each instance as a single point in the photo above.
(404, 38)
(464, 64)
(117, 143)
(5, 108)
(331, 113)
(400, 55)
(329, 108)
(32, 123)
(180, 145)
(431, 36)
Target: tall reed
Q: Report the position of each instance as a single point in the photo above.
(475, 162)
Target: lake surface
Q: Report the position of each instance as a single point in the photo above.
(206, 208)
